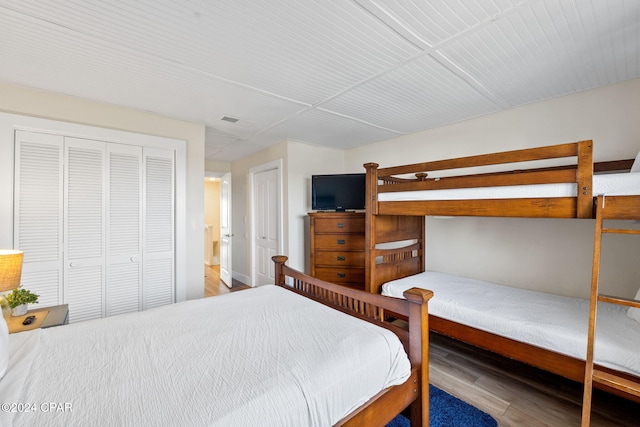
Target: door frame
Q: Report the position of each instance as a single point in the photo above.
(277, 165)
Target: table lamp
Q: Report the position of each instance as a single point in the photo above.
(10, 272)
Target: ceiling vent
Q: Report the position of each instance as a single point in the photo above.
(229, 119)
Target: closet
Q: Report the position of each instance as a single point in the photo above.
(96, 222)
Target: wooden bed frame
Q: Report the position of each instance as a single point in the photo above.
(404, 221)
(579, 171)
(393, 221)
(414, 393)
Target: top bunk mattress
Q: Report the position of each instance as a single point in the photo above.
(553, 322)
(263, 356)
(615, 184)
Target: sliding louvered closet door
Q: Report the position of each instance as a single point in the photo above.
(113, 201)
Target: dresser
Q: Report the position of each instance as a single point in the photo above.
(337, 247)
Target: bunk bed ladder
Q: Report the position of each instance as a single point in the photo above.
(593, 374)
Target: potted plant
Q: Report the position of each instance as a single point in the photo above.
(18, 300)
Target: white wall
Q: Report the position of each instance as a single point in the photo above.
(303, 161)
(300, 161)
(30, 102)
(552, 255)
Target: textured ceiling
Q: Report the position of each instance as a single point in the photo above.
(339, 73)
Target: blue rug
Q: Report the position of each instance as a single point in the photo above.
(446, 410)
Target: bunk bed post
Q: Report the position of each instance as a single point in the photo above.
(371, 209)
(372, 187)
(584, 178)
(419, 351)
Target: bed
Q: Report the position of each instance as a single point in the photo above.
(558, 181)
(514, 313)
(302, 352)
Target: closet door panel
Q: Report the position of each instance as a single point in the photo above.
(124, 229)
(84, 291)
(84, 228)
(158, 266)
(38, 213)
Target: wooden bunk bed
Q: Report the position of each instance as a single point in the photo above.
(395, 223)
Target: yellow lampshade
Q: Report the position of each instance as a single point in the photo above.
(10, 269)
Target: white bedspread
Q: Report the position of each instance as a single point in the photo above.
(617, 184)
(549, 321)
(260, 357)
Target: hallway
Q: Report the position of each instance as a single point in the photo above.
(214, 286)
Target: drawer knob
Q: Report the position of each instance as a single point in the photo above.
(341, 241)
(340, 225)
(341, 258)
(342, 275)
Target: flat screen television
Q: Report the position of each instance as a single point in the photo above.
(339, 192)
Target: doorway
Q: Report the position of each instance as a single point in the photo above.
(217, 230)
(212, 221)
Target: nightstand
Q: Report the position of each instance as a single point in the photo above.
(56, 316)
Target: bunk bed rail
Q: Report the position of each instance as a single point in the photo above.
(579, 172)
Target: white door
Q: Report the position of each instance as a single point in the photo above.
(225, 229)
(266, 241)
(39, 212)
(158, 268)
(124, 229)
(84, 224)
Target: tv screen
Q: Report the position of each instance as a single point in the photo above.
(338, 192)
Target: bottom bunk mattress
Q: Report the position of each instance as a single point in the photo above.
(263, 356)
(552, 322)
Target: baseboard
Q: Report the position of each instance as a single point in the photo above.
(241, 278)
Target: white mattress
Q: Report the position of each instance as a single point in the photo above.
(549, 321)
(264, 357)
(618, 184)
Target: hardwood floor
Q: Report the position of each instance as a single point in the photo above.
(214, 286)
(516, 394)
(513, 393)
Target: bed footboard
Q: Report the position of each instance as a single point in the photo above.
(374, 308)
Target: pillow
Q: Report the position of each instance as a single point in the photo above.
(635, 167)
(4, 346)
(634, 312)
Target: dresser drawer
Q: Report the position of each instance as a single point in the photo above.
(340, 275)
(339, 241)
(339, 225)
(339, 258)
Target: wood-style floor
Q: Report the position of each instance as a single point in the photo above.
(516, 394)
(513, 393)
(214, 286)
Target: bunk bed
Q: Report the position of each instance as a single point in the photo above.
(546, 182)
(298, 353)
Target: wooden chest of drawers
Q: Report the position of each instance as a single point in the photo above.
(337, 247)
